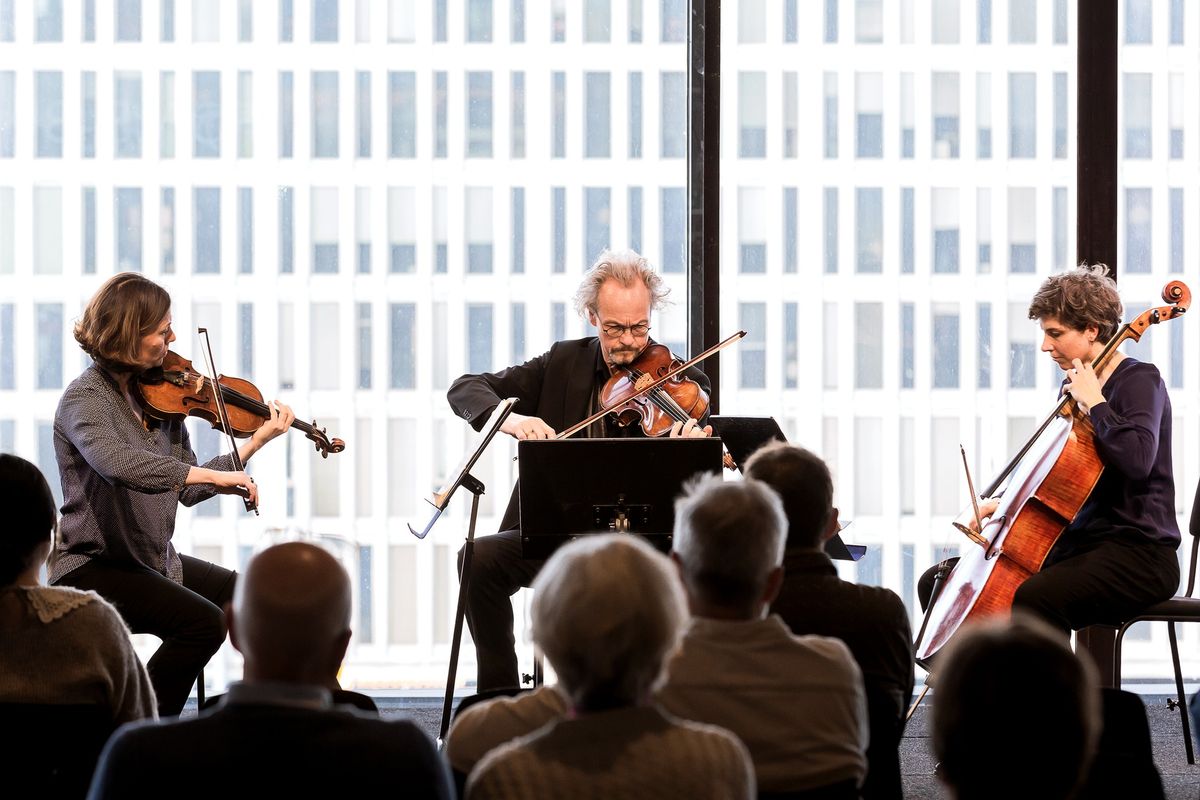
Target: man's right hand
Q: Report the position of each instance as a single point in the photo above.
(520, 426)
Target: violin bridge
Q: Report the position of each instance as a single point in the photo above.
(644, 380)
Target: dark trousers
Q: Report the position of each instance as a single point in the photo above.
(497, 572)
(190, 619)
(1103, 581)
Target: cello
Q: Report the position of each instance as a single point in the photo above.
(1048, 481)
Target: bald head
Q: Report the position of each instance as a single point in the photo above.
(291, 615)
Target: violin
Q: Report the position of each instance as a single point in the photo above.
(177, 390)
(678, 399)
(654, 391)
(1048, 482)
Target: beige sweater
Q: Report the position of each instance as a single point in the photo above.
(71, 647)
(631, 753)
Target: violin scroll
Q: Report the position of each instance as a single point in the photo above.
(322, 442)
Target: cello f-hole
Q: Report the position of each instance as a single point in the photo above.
(993, 549)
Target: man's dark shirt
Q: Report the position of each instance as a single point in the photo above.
(559, 387)
(871, 620)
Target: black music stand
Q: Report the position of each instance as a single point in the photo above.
(576, 487)
(462, 477)
(743, 436)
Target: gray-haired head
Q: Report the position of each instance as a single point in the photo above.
(728, 539)
(627, 268)
(608, 611)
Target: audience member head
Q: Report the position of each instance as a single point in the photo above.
(290, 615)
(1016, 683)
(804, 485)
(729, 546)
(607, 612)
(30, 517)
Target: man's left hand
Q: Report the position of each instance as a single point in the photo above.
(690, 429)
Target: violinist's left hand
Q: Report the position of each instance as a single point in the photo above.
(281, 419)
(690, 429)
(1084, 386)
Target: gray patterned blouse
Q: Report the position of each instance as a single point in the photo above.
(120, 481)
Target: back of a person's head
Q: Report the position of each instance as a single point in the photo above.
(29, 515)
(607, 612)
(1015, 712)
(291, 613)
(728, 538)
(803, 482)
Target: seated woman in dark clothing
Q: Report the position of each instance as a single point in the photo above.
(1118, 554)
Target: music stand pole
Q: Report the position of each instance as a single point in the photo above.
(472, 485)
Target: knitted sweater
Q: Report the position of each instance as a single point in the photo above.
(71, 647)
(631, 753)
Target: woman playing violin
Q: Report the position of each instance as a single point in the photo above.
(123, 474)
(1118, 554)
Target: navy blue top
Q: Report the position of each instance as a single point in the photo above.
(1136, 492)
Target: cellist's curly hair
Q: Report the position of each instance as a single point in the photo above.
(126, 308)
(1080, 297)
(624, 267)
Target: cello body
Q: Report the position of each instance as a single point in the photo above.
(1044, 494)
(1048, 482)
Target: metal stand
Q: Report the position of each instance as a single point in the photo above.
(939, 578)
(472, 485)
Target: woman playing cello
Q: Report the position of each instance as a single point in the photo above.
(123, 474)
(1117, 556)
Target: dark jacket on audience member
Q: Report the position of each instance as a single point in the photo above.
(250, 750)
(871, 620)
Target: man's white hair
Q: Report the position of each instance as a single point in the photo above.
(626, 267)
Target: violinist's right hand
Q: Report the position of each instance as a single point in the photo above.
(986, 509)
(520, 426)
(239, 483)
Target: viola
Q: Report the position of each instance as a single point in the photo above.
(1048, 481)
(678, 399)
(177, 390)
(654, 391)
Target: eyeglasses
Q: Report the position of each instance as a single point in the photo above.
(617, 331)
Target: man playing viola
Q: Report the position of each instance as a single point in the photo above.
(554, 391)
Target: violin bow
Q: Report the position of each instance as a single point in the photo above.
(651, 386)
(223, 414)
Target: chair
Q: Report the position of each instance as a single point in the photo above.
(1182, 608)
(51, 750)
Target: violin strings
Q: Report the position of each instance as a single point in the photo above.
(664, 401)
(250, 404)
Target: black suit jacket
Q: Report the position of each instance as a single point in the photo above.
(250, 750)
(556, 386)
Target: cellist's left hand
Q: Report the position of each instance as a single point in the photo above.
(691, 430)
(1083, 386)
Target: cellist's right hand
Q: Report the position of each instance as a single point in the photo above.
(986, 509)
(520, 426)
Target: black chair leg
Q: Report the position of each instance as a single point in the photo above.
(1182, 708)
(200, 690)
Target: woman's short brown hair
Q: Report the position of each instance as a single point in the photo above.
(126, 308)
(1078, 298)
